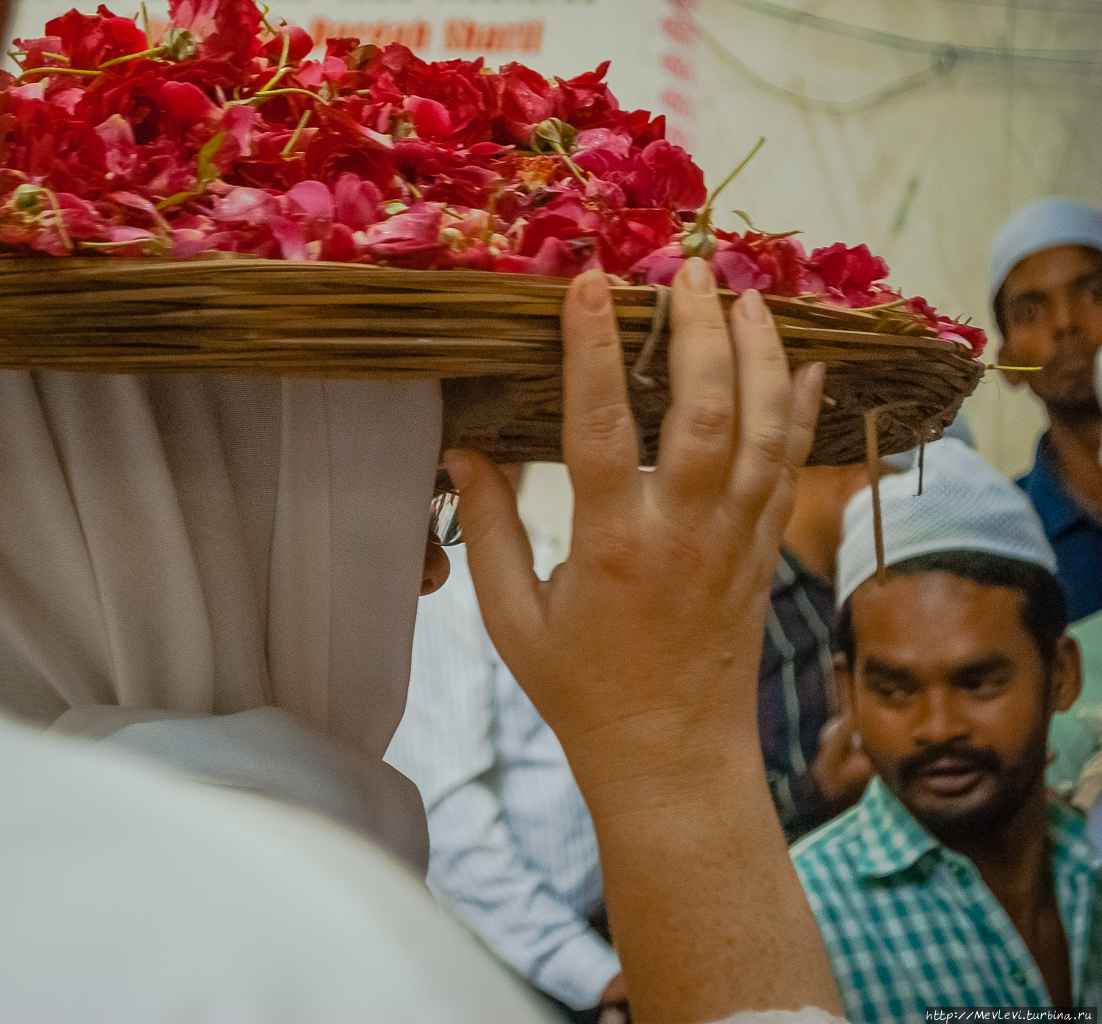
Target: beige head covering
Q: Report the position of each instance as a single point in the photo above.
(209, 546)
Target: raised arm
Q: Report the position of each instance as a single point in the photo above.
(642, 649)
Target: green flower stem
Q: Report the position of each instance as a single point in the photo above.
(883, 307)
(262, 96)
(701, 240)
(265, 10)
(59, 71)
(710, 202)
(156, 51)
(573, 167)
(179, 197)
(293, 140)
(283, 69)
(765, 234)
(115, 245)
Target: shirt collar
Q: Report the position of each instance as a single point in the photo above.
(891, 841)
(1056, 507)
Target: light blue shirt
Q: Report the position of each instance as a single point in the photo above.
(910, 924)
(513, 852)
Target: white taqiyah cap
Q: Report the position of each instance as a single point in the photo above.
(1042, 224)
(965, 505)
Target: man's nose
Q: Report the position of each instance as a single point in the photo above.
(1066, 314)
(938, 718)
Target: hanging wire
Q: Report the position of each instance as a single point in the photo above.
(944, 58)
(1045, 6)
(941, 66)
(1068, 61)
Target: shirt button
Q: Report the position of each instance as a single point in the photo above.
(1017, 975)
(961, 873)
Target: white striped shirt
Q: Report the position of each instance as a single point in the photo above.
(513, 852)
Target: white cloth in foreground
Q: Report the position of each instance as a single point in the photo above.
(212, 545)
(964, 505)
(1042, 224)
(130, 897)
(513, 852)
(810, 1015)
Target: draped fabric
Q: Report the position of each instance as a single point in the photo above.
(132, 898)
(206, 546)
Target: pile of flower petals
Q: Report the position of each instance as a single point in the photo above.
(224, 136)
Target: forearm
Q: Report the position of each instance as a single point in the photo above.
(652, 629)
(750, 941)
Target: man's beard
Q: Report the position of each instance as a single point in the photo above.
(1014, 784)
(1075, 412)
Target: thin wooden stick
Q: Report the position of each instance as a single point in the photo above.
(658, 323)
(872, 461)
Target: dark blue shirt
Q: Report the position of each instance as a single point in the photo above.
(1075, 535)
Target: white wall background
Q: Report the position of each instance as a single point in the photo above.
(915, 127)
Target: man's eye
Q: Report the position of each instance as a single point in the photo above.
(1024, 313)
(1093, 291)
(889, 692)
(984, 683)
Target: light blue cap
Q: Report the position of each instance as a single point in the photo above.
(1042, 224)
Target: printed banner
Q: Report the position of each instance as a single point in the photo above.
(651, 43)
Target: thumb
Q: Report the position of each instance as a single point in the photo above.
(499, 553)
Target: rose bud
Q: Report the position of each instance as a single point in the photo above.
(299, 46)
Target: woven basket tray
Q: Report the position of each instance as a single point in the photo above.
(493, 338)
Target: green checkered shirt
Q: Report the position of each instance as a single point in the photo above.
(909, 923)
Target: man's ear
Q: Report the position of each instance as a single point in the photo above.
(1067, 675)
(843, 685)
(435, 569)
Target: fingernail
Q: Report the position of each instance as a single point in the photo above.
(698, 276)
(593, 291)
(752, 308)
(459, 468)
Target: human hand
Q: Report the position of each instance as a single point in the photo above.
(616, 991)
(648, 636)
(841, 770)
(642, 650)
(614, 1003)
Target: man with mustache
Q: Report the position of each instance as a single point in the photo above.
(954, 881)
